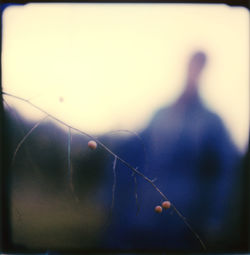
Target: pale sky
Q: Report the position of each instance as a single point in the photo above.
(114, 65)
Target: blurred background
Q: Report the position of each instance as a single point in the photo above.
(106, 67)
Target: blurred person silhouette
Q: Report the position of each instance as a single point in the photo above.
(190, 152)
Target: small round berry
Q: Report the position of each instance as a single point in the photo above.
(158, 209)
(92, 145)
(61, 99)
(166, 204)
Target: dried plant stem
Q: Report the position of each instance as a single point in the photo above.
(114, 183)
(136, 194)
(25, 137)
(135, 170)
(70, 174)
(70, 167)
(137, 136)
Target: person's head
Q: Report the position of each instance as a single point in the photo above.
(196, 64)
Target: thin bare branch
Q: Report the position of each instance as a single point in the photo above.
(138, 137)
(25, 137)
(35, 96)
(136, 171)
(5, 103)
(69, 157)
(136, 194)
(70, 166)
(114, 183)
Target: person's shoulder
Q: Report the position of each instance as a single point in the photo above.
(160, 116)
(166, 110)
(209, 114)
(162, 112)
(213, 118)
(156, 120)
(215, 124)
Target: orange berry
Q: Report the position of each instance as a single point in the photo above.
(158, 209)
(92, 145)
(166, 204)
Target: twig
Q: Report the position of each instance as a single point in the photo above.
(136, 171)
(136, 194)
(25, 137)
(114, 183)
(70, 166)
(69, 157)
(137, 136)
